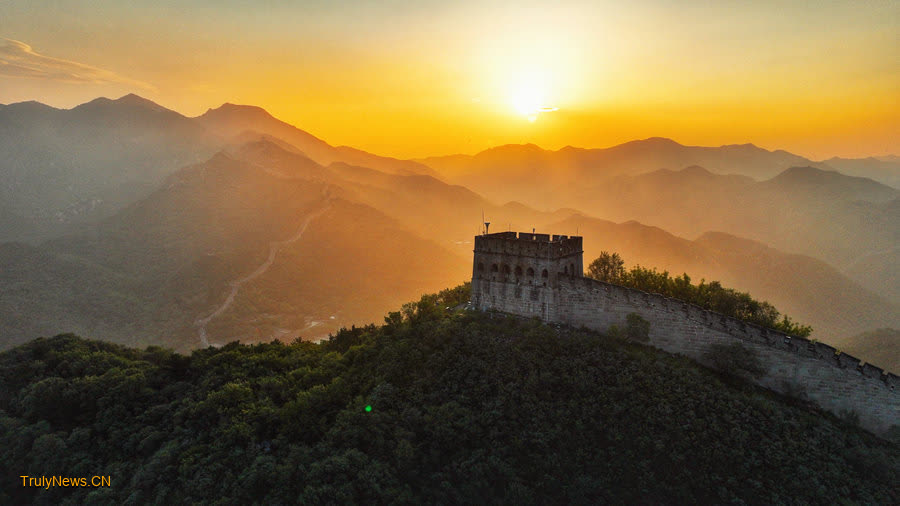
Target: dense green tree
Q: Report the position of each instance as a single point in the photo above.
(464, 407)
(608, 267)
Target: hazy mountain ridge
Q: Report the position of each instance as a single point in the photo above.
(852, 223)
(639, 156)
(527, 170)
(210, 223)
(154, 268)
(231, 120)
(885, 169)
(62, 168)
(806, 288)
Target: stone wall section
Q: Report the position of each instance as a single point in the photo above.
(796, 366)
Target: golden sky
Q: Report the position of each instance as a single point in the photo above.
(419, 78)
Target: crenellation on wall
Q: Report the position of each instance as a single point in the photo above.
(847, 362)
(871, 371)
(837, 381)
(825, 351)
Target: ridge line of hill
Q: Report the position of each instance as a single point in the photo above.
(235, 285)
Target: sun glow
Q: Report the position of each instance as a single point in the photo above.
(529, 98)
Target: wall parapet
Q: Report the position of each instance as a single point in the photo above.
(747, 331)
(527, 243)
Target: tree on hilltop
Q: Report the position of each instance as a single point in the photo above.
(610, 268)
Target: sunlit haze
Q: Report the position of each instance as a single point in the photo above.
(412, 79)
(449, 252)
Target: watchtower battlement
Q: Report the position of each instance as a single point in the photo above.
(527, 258)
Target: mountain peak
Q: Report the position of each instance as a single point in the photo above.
(230, 110)
(747, 146)
(650, 142)
(266, 147)
(219, 157)
(696, 170)
(29, 105)
(804, 174)
(813, 175)
(130, 100)
(516, 147)
(139, 101)
(658, 141)
(512, 149)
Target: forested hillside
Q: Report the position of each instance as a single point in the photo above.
(434, 406)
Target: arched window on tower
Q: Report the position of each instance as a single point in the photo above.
(494, 268)
(530, 272)
(480, 269)
(518, 271)
(572, 270)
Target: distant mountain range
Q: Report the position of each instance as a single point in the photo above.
(853, 223)
(230, 121)
(70, 166)
(518, 166)
(137, 224)
(148, 274)
(65, 167)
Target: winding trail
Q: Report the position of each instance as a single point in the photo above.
(274, 248)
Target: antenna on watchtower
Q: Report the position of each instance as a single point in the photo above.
(487, 224)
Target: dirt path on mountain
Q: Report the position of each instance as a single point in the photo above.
(274, 248)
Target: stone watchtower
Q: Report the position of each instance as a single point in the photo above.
(520, 272)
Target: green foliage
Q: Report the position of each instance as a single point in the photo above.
(713, 296)
(637, 328)
(608, 267)
(466, 408)
(735, 358)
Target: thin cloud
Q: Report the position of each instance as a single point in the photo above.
(18, 59)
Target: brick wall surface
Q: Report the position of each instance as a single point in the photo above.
(811, 370)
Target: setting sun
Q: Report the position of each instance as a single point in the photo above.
(529, 99)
